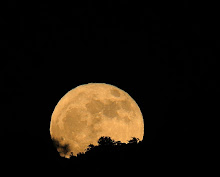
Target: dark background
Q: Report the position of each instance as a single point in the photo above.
(164, 55)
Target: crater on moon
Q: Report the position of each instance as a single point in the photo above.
(110, 109)
(125, 105)
(94, 106)
(115, 93)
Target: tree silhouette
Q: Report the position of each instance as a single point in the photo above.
(90, 147)
(110, 149)
(133, 140)
(106, 141)
(63, 149)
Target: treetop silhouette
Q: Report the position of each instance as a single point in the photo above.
(108, 146)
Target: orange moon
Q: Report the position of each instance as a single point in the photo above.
(90, 111)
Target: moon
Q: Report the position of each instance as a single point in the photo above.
(90, 111)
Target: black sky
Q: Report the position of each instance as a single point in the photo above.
(165, 58)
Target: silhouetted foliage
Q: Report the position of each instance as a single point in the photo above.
(61, 148)
(91, 146)
(134, 140)
(108, 149)
(106, 141)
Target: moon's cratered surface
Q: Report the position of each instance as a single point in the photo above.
(90, 111)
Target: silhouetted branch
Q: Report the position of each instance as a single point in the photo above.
(134, 140)
(106, 141)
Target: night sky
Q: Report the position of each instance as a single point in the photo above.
(163, 55)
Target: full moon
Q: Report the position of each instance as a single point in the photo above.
(90, 111)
